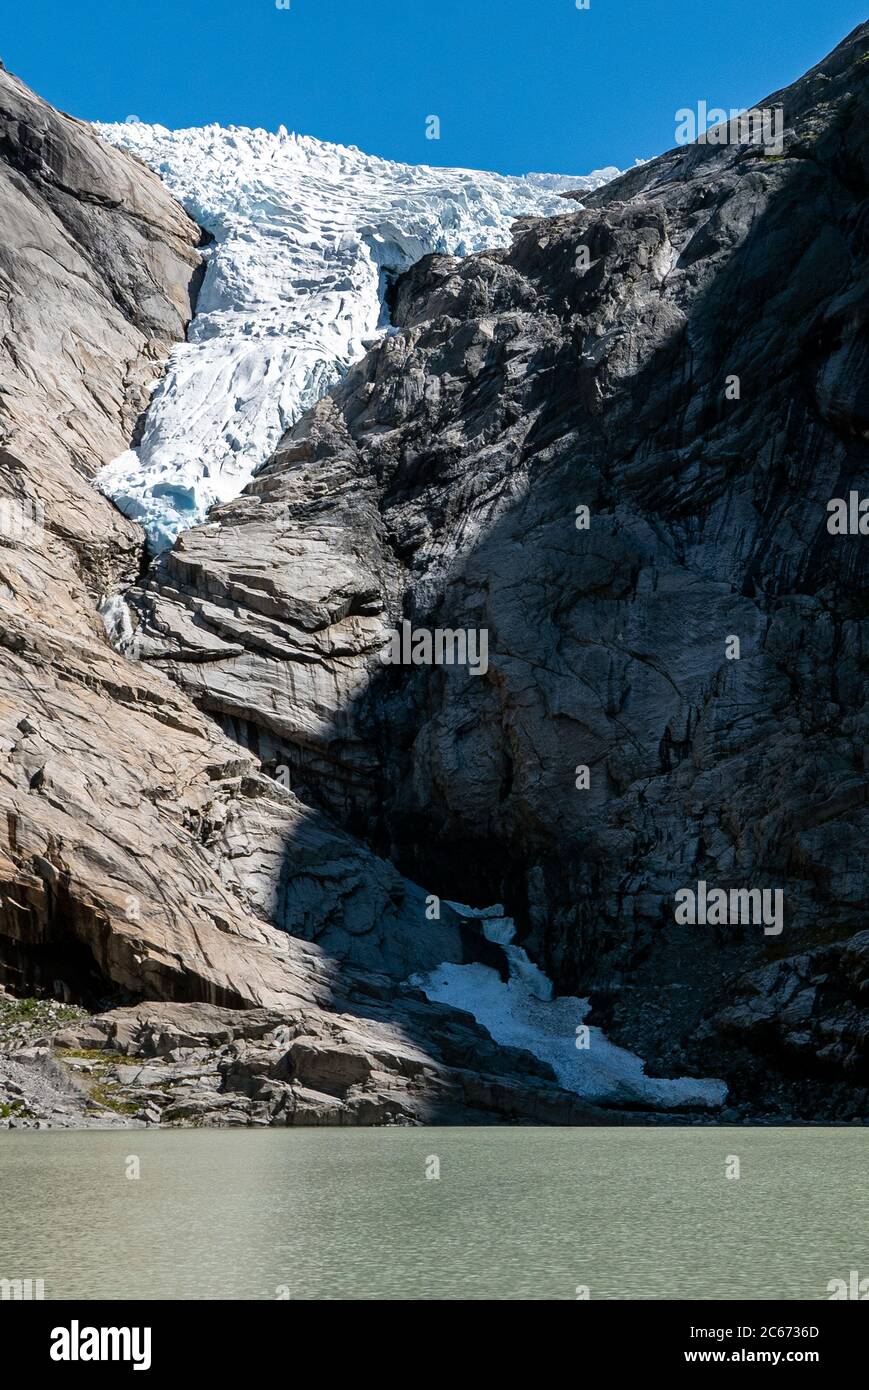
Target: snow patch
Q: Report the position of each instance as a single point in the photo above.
(522, 1012)
(306, 235)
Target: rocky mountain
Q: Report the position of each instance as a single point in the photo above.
(139, 846)
(686, 357)
(603, 458)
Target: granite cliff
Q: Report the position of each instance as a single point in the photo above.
(683, 355)
(139, 847)
(686, 357)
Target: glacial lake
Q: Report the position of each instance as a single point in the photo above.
(515, 1214)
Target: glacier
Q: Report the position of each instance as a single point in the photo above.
(305, 238)
(522, 1011)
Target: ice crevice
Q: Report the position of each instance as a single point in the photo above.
(306, 236)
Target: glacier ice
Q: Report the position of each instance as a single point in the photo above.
(305, 235)
(522, 1012)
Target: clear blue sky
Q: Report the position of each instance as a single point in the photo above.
(518, 85)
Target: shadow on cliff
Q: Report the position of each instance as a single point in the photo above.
(729, 492)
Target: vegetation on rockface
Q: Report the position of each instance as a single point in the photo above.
(24, 1020)
(80, 1076)
(13, 1108)
(90, 1054)
(105, 1094)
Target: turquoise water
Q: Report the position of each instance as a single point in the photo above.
(515, 1214)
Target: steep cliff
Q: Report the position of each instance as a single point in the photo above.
(142, 855)
(686, 357)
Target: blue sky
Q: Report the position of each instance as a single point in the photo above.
(518, 85)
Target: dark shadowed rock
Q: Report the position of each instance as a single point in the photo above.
(594, 364)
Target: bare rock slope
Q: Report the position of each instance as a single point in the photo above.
(686, 356)
(142, 854)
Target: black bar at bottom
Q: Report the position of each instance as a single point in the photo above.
(196, 1338)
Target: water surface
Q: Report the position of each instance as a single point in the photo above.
(516, 1213)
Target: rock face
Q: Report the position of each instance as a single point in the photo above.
(143, 856)
(687, 356)
(200, 1064)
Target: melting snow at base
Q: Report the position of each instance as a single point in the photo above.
(521, 1012)
(306, 235)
